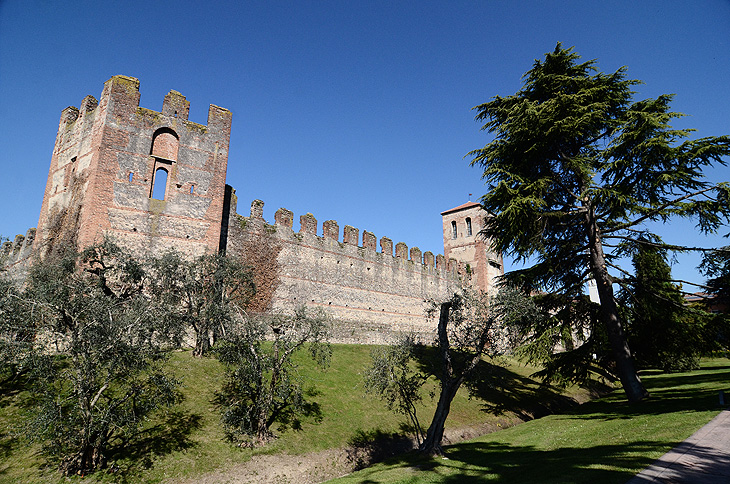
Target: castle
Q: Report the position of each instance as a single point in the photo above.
(154, 180)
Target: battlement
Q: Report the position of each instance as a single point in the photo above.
(372, 293)
(16, 255)
(154, 180)
(330, 231)
(149, 178)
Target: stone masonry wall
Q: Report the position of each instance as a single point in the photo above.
(107, 159)
(372, 295)
(110, 158)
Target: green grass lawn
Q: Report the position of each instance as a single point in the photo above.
(603, 441)
(188, 441)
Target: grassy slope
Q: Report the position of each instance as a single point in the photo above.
(603, 441)
(188, 441)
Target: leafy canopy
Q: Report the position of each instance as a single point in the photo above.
(96, 369)
(575, 172)
(571, 144)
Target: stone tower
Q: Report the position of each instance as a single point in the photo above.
(478, 264)
(148, 179)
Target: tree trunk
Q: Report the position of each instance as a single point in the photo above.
(86, 460)
(202, 341)
(449, 386)
(435, 433)
(608, 315)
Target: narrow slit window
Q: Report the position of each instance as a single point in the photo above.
(159, 184)
(453, 230)
(131, 176)
(468, 226)
(192, 189)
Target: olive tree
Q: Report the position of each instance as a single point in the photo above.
(97, 365)
(205, 292)
(17, 332)
(262, 382)
(471, 326)
(392, 377)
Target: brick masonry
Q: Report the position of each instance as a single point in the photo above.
(112, 161)
(372, 295)
(117, 152)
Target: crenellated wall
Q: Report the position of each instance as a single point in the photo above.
(372, 294)
(152, 179)
(15, 256)
(112, 156)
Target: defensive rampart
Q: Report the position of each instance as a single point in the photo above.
(153, 180)
(371, 294)
(15, 255)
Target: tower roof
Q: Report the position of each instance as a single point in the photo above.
(463, 206)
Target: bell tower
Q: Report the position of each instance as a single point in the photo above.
(478, 264)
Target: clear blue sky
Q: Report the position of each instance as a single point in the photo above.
(357, 111)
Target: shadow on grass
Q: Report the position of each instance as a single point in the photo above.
(502, 390)
(368, 447)
(482, 462)
(504, 463)
(695, 391)
(310, 411)
(170, 435)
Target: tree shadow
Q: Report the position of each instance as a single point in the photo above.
(502, 390)
(668, 394)
(509, 464)
(310, 410)
(172, 433)
(493, 462)
(366, 448)
(11, 386)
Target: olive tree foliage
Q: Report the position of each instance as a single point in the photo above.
(206, 293)
(17, 332)
(575, 173)
(471, 326)
(392, 376)
(96, 372)
(262, 383)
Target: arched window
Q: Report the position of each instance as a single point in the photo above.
(468, 226)
(165, 144)
(453, 230)
(159, 184)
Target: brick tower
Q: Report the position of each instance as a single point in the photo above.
(148, 179)
(478, 264)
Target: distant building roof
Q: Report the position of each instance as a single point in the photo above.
(462, 207)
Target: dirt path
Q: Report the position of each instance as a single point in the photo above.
(317, 467)
(321, 466)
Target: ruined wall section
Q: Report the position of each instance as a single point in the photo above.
(115, 152)
(16, 255)
(371, 294)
